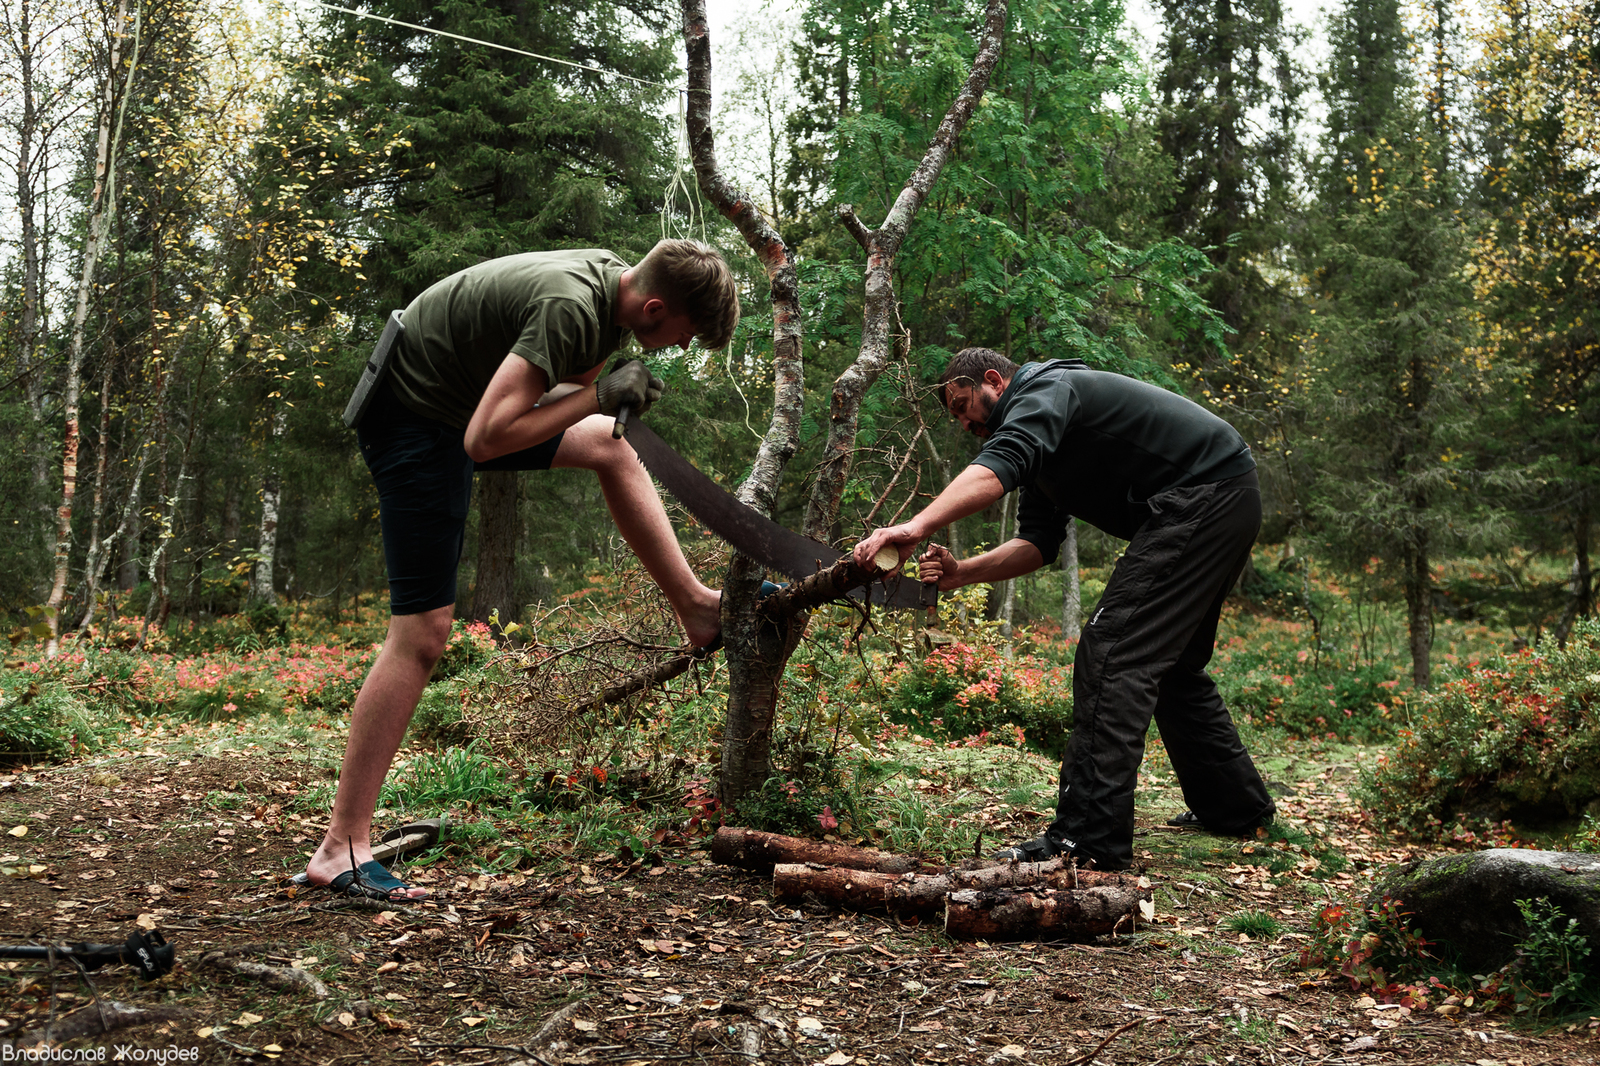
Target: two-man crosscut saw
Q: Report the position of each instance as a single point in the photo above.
(751, 533)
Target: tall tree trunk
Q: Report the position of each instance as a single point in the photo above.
(1008, 587)
(128, 567)
(30, 153)
(102, 205)
(1581, 584)
(1071, 588)
(499, 532)
(261, 587)
(97, 547)
(1419, 610)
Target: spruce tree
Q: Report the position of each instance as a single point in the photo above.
(1384, 364)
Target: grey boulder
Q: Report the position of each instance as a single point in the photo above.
(1467, 904)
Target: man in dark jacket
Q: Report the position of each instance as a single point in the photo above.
(1177, 483)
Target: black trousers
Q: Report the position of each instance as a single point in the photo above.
(1143, 654)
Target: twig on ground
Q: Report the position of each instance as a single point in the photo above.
(1102, 1046)
(277, 976)
(552, 1025)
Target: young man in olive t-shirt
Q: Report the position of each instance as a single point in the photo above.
(1179, 484)
(499, 368)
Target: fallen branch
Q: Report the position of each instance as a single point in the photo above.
(547, 1036)
(750, 849)
(99, 1017)
(923, 895)
(285, 977)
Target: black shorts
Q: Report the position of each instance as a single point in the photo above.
(424, 479)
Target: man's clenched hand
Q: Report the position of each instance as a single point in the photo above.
(630, 384)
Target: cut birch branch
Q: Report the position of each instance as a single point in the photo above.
(101, 1016)
(1043, 914)
(922, 895)
(827, 585)
(753, 850)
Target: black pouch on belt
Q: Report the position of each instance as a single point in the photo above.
(372, 374)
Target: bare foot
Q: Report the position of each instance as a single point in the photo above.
(333, 858)
(703, 621)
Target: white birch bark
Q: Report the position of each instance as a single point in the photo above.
(1071, 588)
(102, 205)
(261, 588)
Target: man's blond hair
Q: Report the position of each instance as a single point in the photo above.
(693, 279)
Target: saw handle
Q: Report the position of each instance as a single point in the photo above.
(622, 421)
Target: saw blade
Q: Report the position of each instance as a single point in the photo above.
(751, 533)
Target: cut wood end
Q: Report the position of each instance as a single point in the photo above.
(887, 559)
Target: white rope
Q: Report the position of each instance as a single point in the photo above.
(488, 44)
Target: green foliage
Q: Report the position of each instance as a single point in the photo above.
(470, 648)
(453, 776)
(438, 719)
(964, 690)
(1551, 969)
(1517, 737)
(42, 719)
(1256, 924)
(1353, 702)
(1379, 952)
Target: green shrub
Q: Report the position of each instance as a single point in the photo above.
(1551, 963)
(43, 720)
(1515, 738)
(470, 647)
(1353, 703)
(438, 718)
(965, 690)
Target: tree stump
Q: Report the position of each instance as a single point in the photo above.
(1469, 902)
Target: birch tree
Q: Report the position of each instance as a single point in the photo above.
(757, 653)
(116, 84)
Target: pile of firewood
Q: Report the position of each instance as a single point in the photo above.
(1012, 901)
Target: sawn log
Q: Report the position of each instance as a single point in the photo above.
(753, 850)
(1034, 914)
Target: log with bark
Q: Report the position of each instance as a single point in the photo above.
(1044, 914)
(923, 895)
(753, 850)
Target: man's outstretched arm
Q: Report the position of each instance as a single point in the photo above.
(973, 489)
(1012, 559)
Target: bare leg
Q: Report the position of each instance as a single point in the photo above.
(383, 709)
(637, 511)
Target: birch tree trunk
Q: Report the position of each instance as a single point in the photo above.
(881, 308)
(756, 650)
(97, 550)
(102, 205)
(1071, 587)
(261, 585)
(1008, 587)
(24, 46)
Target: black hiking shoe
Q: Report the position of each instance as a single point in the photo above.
(1040, 849)
(1190, 820)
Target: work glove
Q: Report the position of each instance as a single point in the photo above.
(629, 384)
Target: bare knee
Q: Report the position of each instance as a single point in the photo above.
(422, 637)
(590, 446)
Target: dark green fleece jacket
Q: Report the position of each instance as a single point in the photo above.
(1086, 443)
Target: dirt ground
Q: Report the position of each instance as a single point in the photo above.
(661, 960)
